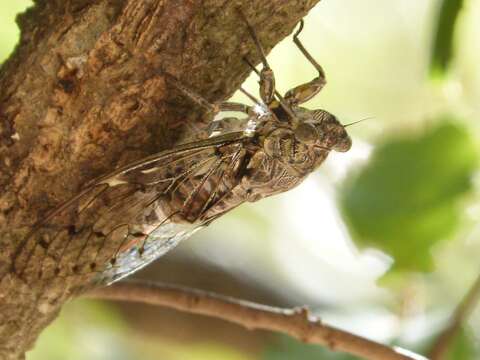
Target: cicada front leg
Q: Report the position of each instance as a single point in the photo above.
(267, 77)
(305, 92)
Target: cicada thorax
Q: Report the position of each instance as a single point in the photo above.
(282, 144)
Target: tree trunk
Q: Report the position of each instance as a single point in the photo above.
(84, 93)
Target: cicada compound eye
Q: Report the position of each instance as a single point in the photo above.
(306, 133)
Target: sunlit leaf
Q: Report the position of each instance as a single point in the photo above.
(406, 198)
(442, 50)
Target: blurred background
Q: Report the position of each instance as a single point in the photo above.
(383, 241)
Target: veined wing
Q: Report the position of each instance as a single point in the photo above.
(128, 218)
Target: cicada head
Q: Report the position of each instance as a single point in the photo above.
(321, 129)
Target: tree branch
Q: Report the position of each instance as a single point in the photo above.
(459, 316)
(294, 322)
(84, 93)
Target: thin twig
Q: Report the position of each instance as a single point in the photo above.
(294, 322)
(461, 313)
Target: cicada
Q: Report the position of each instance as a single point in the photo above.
(130, 217)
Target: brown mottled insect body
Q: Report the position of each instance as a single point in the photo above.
(126, 219)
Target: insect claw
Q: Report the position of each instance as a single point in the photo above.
(300, 29)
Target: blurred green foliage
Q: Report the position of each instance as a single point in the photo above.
(406, 198)
(191, 351)
(287, 348)
(9, 31)
(73, 335)
(463, 346)
(442, 49)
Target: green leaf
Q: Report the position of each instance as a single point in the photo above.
(442, 50)
(406, 198)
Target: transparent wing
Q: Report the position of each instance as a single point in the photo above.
(130, 217)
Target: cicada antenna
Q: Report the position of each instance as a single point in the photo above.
(358, 121)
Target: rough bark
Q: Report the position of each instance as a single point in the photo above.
(84, 93)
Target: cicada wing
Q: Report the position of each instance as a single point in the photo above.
(126, 219)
